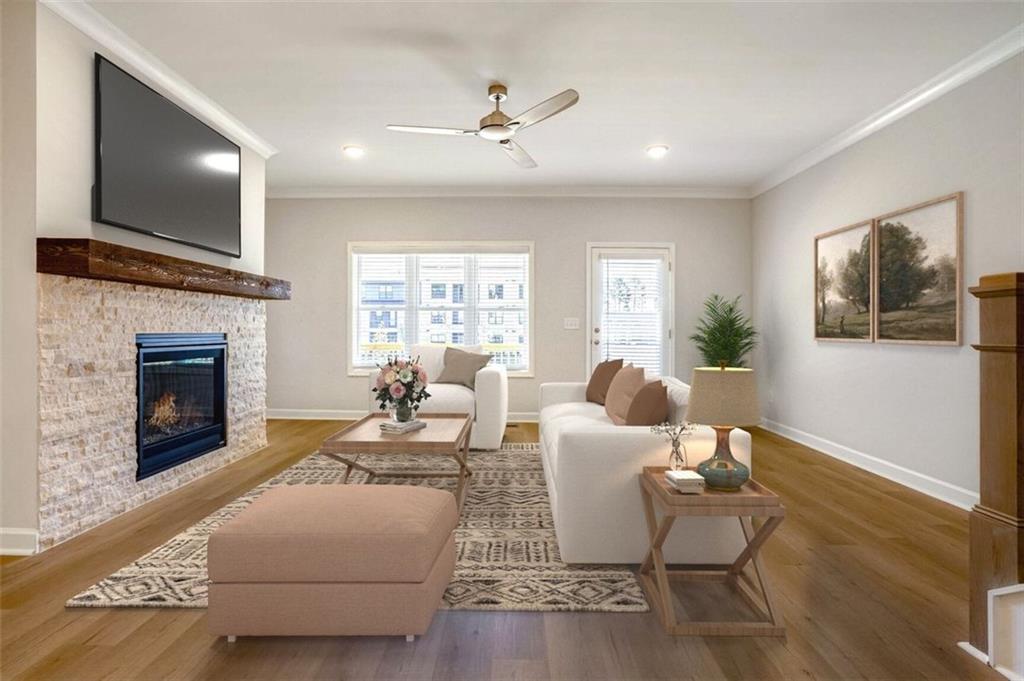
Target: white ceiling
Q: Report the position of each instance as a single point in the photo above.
(736, 90)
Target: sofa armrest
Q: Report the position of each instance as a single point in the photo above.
(371, 399)
(491, 405)
(559, 393)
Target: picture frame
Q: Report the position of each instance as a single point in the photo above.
(918, 273)
(844, 265)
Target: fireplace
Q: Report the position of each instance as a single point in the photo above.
(182, 381)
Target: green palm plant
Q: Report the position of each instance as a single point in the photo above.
(724, 333)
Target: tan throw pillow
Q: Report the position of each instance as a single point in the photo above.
(627, 383)
(597, 388)
(649, 406)
(460, 367)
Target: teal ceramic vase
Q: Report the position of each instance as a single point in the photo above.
(723, 472)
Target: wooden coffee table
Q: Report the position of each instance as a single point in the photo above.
(752, 500)
(445, 435)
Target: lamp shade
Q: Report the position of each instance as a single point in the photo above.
(723, 397)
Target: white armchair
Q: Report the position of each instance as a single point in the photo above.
(487, 403)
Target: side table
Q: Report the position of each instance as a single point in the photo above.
(752, 500)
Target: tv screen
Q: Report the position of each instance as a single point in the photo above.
(160, 170)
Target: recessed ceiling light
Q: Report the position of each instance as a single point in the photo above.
(657, 150)
(353, 151)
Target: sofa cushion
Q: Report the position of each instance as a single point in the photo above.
(334, 533)
(678, 398)
(449, 398)
(625, 385)
(563, 409)
(649, 406)
(460, 367)
(432, 356)
(597, 387)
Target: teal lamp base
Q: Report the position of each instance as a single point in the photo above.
(722, 472)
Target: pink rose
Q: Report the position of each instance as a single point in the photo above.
(380, 380)
(422, 376)
(397, 390)
(401, 364)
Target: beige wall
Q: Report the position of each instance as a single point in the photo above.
(307, 238)
(907, 412)
(65, 110)
(18, 499)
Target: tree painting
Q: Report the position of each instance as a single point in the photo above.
(918, 275)
(843, 284)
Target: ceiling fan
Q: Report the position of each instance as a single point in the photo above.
(497, 127)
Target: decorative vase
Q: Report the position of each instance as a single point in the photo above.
(402, 413)
(676, 460)
(722, 471)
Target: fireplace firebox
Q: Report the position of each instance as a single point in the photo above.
(182, 382)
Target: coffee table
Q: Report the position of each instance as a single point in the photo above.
(446, 435)
(750, 501)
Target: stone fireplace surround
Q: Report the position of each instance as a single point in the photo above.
(87, 397)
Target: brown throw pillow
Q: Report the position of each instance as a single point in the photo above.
(597, 388)
(460, 367)
(627, 383)
(649, 406)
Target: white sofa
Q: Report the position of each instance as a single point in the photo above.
(487, 404)
(591, 468)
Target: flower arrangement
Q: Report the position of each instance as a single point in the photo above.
(676, 432)
(401, 386)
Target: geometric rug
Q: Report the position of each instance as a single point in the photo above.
(507, 554)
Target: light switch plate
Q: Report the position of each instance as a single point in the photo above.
(571, 323)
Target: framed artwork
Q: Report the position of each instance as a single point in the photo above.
(843, 275)
(919, 273)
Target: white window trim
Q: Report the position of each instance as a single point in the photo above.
(593, 246)
(413, 247)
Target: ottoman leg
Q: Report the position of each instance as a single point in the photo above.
(409, 638)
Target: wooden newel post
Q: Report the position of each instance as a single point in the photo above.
(997, 522)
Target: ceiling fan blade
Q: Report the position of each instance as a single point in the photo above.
(517, 154)
(546, 109)
(430, 131)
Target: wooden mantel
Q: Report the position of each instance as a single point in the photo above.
(93, 259)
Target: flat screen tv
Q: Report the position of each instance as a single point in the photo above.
(162, 171)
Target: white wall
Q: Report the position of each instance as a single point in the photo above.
(65, 150)
(18, 499)
(306, 243)
(907, 412)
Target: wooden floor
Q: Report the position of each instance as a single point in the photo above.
(871, 576)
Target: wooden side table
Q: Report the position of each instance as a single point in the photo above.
(752, 500)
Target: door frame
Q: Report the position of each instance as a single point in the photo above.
(670, 304)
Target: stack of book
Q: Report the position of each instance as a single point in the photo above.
(398, 428)
(685, 481)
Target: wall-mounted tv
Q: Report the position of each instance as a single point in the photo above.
(162, 171)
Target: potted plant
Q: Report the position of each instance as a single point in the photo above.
(724, 334)
(401, 387)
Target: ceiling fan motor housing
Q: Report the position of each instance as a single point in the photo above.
(492, 126)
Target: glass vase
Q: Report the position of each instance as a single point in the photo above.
(402, 413)
(677, 459)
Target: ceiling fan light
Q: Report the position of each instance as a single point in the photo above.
(657, 151)
(496, 133)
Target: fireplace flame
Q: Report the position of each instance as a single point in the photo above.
(165, 413)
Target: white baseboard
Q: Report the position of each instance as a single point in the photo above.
(933, 487)
(317, 414)
(18, 541)
(349, 414)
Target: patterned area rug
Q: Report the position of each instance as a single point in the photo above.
(507, 553)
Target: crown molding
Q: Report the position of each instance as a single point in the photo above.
(115, 41)
(441, 191)
(993, 54)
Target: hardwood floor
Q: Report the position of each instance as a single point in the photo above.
(871, 576)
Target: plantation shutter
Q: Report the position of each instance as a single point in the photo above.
(631, 308)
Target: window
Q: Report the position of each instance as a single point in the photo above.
(441, 293)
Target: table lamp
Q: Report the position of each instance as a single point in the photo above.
(723, 398)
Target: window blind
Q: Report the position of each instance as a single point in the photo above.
(632, 311)
(444, 295)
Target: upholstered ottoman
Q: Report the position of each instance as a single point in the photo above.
(333, 560)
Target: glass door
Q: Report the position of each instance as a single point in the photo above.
(631, 306)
